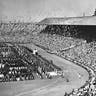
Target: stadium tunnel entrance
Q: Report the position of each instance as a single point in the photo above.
(86, 32)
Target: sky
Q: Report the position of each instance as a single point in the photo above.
(36, 10)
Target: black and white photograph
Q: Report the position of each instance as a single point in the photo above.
(47, 47)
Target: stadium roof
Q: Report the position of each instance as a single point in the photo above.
(84, 20)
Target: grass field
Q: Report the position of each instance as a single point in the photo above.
(75, 77)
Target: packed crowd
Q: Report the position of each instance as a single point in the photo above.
(56, 42)
(18, 63)
(18, 28)
(89, 88)
(12, 68)
(64, 30)
(19, 32)
(84, 55)
(81, 53)
(75, 50)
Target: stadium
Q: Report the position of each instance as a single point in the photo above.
(54, 57)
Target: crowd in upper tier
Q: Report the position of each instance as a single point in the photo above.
(18, 31)
(56, 42)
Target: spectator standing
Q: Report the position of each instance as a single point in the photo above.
(35, 51)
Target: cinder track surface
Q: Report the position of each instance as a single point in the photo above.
(76, 75)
